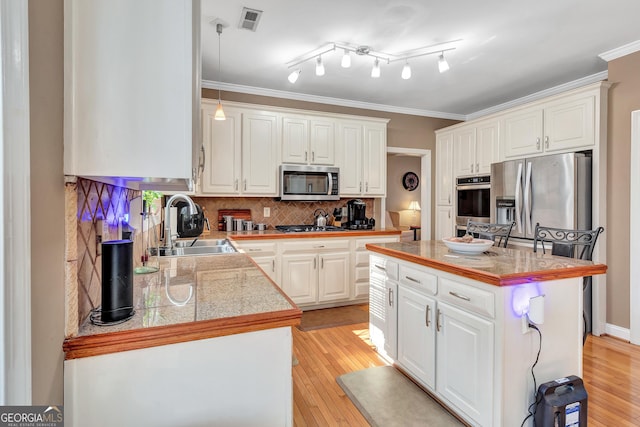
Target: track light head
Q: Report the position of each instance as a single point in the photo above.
(375, 71)
(346, 59)
(443, 65)
(293, 77)
(406, 71)
(319, 66)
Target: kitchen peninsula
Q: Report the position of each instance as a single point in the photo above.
(455, 323)
(210, 343)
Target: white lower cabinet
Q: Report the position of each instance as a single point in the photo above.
(417, 335)
(360, 263)
(464, 359)
(383, 306)
(316, 271)
(265, 255)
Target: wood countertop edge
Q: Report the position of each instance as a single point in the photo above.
(494, 279)
(314, 235)
(115, 342)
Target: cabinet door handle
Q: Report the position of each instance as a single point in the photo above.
(202, 159)
(477, 167)
(305, 156)
(314, 263)
(322, 262)
(426, 317)
(366, 187)
(273, 265)
(537, 143)
(360, 187)
(438, 325)
(245, 185)
(412, 279)
(449, 199)
(379, 267)
(546, 142)
(235, 185)
(313, 156)
(449, 214)
(390, 297)
(471, 167)
(457, 295)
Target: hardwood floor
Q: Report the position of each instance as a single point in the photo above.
(611, 375)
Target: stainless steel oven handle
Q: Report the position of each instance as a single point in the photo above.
(483, 186)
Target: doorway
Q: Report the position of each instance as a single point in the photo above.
(422, 194)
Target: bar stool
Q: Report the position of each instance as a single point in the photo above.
(499, 233)
(577, 244)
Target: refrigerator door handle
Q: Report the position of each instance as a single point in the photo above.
(527, 201)
(518, 198)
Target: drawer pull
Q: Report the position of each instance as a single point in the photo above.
(457, 295)
(318, 246)
(426, 317)
(379, 267)
(255, 250)
(412, 279)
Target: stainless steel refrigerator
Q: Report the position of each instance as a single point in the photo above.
(554, 191)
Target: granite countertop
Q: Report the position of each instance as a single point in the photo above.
(191, 298)
(496, 266)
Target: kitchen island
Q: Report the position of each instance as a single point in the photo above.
(457, 324)
(210, 344)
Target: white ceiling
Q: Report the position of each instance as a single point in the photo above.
(509, 49)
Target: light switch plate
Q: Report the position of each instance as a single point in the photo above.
(266, 212)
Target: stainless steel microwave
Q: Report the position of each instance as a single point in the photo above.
(310, 183)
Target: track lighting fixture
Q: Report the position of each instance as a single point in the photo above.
(219, 115)
(406, 71)
(319, 66)
(375, 71)
(443, 65)
(362, 50)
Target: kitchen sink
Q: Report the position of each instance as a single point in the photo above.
(199, 247)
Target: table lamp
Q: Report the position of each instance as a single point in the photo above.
(414, 206)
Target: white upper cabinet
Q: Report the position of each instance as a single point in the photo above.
(475, 147)
(241, 152)
(132, 91)
(561, 125)
(308, 140)
(444, 168)
(362, 158)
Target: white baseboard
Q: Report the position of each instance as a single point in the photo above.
(618, 332)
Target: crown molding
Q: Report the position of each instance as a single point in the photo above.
(252, 90)
(540, 95)
(621, 51)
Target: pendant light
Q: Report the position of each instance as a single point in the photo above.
(219, 111)
(319, 66)
(375, 71)
(443, 65)
(406, 71)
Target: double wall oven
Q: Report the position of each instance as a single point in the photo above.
(472, 201)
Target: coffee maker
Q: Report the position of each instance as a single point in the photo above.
(356, 215)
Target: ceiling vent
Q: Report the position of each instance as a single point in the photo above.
(250, 18)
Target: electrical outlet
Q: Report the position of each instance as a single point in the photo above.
(266, 212)
(524, 319)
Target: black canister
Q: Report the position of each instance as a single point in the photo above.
(117, 280)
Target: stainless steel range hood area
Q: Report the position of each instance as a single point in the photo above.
(138, 183)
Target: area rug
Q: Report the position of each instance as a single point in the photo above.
(385, 397)
(331, 317)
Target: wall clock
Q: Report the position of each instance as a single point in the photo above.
(410, 181)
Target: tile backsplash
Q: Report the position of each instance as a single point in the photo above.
(281, 212)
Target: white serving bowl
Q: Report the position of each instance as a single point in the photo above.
(476, 246)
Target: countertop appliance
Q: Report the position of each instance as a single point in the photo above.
(306, 228)
(189, 225)
(554, 191)
(310, 183)
(472, 201)
(357, 216)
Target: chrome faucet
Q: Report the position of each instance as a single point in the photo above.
(168, 238)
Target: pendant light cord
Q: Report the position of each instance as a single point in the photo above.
(219, 31)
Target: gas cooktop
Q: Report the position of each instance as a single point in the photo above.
(307, 228)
